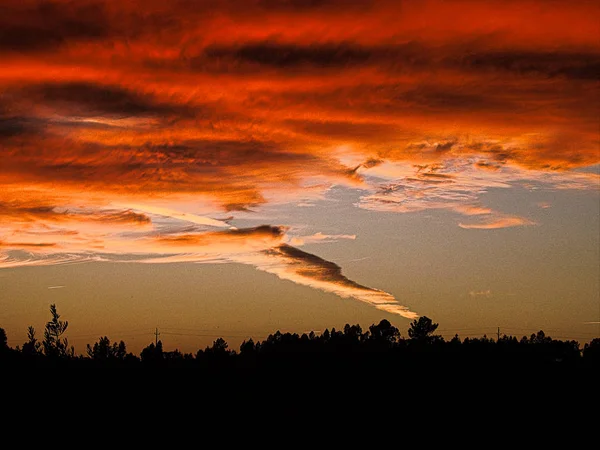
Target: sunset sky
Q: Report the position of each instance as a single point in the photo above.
(230, 168)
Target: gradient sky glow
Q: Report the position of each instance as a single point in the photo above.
(236, 167)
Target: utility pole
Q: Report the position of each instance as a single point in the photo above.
(498, 334)
(156, 333)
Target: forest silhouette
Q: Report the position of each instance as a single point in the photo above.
(337, 377)
(380, 348)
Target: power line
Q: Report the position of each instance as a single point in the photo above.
(118, 333)
(465, 329)
(214, 335)
(545, 329)
(513, 328)
(209, 329)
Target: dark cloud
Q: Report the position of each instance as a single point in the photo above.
(317, 55)
(343, 130)
(365, 104)
(27, 244)
(313, 267)
(269, 232)
(88, 99)
(225, 153)
(440, 176)
(453, 98)
(488, 165)
(17, 126)
(244, 207)
(412, 56)
(27, 211)
(368, 164)
(293, 4)
(51, 233)
(437, 148)
(372, 162)
(573, 65)
(27, 26)
(310, 5)
(49, 25)
(262, 230)
(280, 55)
(24, 211)
(121, 217)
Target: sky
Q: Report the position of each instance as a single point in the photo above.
(237, 167)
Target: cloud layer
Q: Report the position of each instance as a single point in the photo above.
(130, 127)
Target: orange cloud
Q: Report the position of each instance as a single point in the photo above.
(19, 245)
(503, 222)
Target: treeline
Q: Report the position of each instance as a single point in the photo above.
(381, 347)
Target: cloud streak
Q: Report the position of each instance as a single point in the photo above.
(486, 293)
(262, 247)
(290, 263)
(504, 222)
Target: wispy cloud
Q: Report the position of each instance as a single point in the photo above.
(458, 183)
(263, 247)
(168, 212)
(486, 293)
(320, 237)
(502, 222)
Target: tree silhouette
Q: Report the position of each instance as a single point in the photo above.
(421, 330)
(153, 353)
(540, 338)
(379, 348)
(103, 350)
(354, 332)
(3, 341)
(219, 347)
(54, 346)
(247, 347)
(591, 351)
(32, 347)
(384, 332)
(174, 357)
